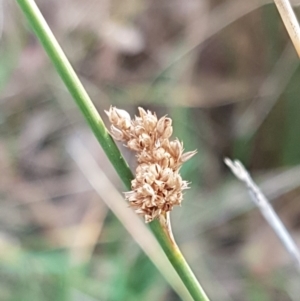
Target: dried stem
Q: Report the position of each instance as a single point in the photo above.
(266, 209)
(95, 122)
(290, 21)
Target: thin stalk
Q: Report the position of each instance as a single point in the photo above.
(290, 21)
(266, 209)
(94, 120)
(178, 261)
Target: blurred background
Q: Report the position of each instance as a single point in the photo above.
(224, 71)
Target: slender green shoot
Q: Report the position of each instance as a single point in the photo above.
(94, 120)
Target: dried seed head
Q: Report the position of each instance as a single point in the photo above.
(158, 186)
(155, 190)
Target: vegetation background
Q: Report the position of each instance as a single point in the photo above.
(228, 76)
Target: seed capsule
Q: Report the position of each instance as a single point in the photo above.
(116, 133)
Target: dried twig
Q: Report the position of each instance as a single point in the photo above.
(266, 209)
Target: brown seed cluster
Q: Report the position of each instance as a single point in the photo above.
(158, 185)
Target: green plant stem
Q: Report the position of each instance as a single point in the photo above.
(75, 87)
(94, 120)
(178, 261)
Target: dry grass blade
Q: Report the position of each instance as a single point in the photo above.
(266, 209)
(290, 21)
(128, 218)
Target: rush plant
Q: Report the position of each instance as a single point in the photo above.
(159, 226)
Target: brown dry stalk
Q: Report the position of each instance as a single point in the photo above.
(290, 21)
(158, 186)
